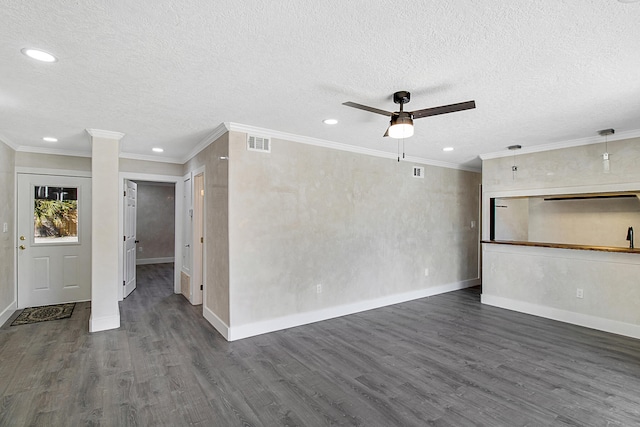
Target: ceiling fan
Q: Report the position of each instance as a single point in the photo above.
(401, 125)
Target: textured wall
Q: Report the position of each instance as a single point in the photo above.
(547, 277)
(7, 245)
(216, 190)
(512, 219)
(567, 167)
(155, 220)
(53, 161)
(360, 226)
(157, 168)
(597, 222)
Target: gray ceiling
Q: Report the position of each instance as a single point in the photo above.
(166, 73)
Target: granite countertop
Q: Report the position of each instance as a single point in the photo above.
(565, 246)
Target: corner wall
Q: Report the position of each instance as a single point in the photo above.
(216, 256)
(360, 228)
(7, 242)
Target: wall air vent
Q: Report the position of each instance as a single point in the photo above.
(418, 171)
(257, 143)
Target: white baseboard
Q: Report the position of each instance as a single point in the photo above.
(104, 323)
(299, 319)
(145, 261)
(8, 312)
(599, 323)
(216, 322)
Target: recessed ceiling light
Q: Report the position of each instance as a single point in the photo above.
(157, 150)
(40, 55)
(447, 149)
(50, 139)
(330, 121)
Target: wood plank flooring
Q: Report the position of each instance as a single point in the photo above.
(441, 361)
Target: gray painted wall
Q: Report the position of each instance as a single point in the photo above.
(361, 226)
(155, 221)
(7, 244)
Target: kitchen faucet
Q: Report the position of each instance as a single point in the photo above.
(630, 237)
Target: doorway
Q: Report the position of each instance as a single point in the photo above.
(174, 242)
(149, 227)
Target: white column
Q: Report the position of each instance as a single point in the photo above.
(105, 235)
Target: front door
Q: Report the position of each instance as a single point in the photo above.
(54, 243)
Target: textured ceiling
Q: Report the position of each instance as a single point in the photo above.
(167, 73)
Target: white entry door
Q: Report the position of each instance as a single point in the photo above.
(54, 243)
(130, 226)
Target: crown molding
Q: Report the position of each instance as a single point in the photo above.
(9, 143)
(150, 158)
(237, 127)
(220, 130)
(107, 134)
(564, 144)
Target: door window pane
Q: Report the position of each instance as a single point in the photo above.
(55, 214)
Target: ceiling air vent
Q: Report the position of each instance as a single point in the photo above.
(257, 143)
(418, 172)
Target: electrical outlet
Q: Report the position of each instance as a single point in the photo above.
(426, 271)
(5, 227)
(473, 224)
(139, 248)
(579, 293)
(319, 288)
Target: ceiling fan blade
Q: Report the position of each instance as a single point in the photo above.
(444, 109)
(366, 108)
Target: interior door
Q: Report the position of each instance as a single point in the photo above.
(130, 210)
(198, 238)
(54, 243)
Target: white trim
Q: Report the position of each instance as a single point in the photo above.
(253, 130)
(220, 130)
(151, 158)
(587, 321)
(146, 261)
(107, 134)
(57, 172)
(563, 144)
(9, 143)
(8, 312)
(299, 319)
(216, 322)
(177, 181)
(104, 323)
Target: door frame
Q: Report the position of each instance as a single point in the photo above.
(34, 171)
(177, 251)
(198, 296)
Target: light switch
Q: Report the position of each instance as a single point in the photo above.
(5, 227)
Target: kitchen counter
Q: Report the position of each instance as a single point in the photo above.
(565, 246)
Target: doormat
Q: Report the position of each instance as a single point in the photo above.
(42, 314)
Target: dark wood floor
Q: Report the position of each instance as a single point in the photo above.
(443, 361)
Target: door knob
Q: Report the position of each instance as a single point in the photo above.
(136, 241)
(22, 247)
(21, 237)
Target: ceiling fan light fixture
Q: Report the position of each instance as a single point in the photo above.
(401, 125)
